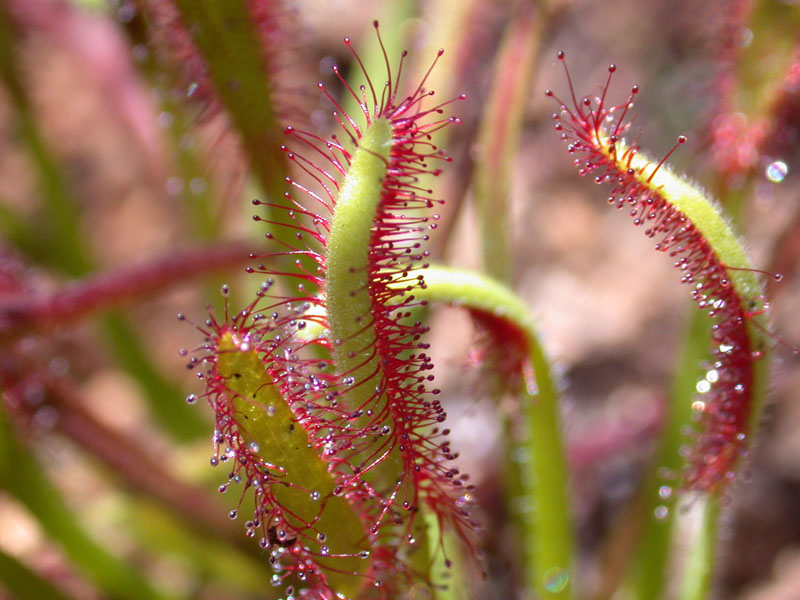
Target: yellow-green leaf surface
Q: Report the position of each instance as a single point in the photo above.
(306, 491)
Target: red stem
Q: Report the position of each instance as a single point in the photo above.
(22, 312)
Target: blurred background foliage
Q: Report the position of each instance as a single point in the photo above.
(125, 199)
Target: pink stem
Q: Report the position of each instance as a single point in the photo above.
(21, 312)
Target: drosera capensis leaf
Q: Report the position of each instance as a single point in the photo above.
(374, 241)
(228, 38)
(237, 56)
(364, 222)
(277, 423)
(692, 230)
(311, 518)
(272, 413)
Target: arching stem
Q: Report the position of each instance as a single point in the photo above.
(548, 537)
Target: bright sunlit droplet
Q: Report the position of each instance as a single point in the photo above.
(777, 171)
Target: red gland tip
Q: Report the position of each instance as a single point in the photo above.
(560, 55)
(681, 139)
(375, 23)
(612, 67)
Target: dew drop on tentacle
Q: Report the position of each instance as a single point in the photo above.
(593, 133)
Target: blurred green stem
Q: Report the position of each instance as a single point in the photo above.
(497, 149)
(548, 536)
(62, 220)
(65, 248)
(143, 471)
(658, 503)
(23, 479)
(498, 141)
(699, 571)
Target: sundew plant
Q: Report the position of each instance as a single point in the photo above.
(421, 350)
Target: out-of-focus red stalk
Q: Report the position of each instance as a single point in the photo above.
(20, 312)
